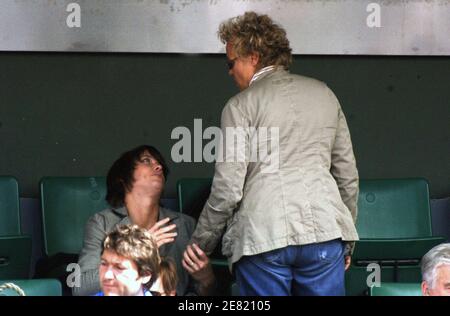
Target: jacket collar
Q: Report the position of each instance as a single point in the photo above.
(263, 72)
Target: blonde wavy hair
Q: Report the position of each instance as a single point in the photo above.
(252, 33)
(138, 245)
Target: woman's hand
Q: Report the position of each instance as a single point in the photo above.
(197, 264)
(163, 234)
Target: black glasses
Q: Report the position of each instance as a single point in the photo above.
(230, 63)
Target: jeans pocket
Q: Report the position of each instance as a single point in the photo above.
(330, 251)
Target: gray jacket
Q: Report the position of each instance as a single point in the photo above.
(308, 196)
(103, 222)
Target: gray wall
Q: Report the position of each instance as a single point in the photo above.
(72, 114)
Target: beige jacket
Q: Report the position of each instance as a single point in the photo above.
(310, 196)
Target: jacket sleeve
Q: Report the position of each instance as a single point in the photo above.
(89, 259)
(229, 178)
(343, 166)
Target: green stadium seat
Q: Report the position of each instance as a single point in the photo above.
(15, 256)
(67, 203)
(36, 287)
(15, 248)
(396, 289)
(394, 226)
(192, 195)
(9, 206)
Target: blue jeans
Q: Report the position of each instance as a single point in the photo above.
(314, 269)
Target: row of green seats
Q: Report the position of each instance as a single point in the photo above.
(394, 223)
(394, 226)
(15, 249)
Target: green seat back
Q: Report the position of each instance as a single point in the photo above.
(36, 287)
(397, 289)
(9, 206)
(15, 254)
(394, 226)
(394, 208)
(394, 220)
(67, 203)
(192, 195)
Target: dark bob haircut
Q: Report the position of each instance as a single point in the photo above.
(120, 179)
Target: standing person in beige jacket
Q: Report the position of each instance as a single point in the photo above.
(290, 219)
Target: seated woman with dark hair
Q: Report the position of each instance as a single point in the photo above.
(135, 183)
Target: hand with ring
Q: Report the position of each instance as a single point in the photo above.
(197, 264)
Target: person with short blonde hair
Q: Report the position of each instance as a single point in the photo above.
(253, 33)
(289, 215)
